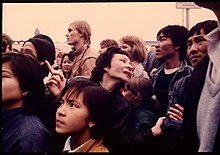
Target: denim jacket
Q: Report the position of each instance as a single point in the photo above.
(183, 71)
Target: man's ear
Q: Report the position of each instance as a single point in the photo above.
(80, 34)
(91, 124)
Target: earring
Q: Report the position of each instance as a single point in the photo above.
(24, 94)
(105, 69)
(91, 124)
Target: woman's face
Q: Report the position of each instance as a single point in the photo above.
(120, 68)
(67, 64)
(11, 92)
(72, 117)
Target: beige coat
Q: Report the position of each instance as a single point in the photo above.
(84, 62)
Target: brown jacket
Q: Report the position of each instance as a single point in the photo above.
(84, 62)
(91, 145)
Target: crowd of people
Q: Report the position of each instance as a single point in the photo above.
(122, 98)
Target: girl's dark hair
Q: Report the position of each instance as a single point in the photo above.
(104, 60)
(30, 78)
(178, 35)
(97, 100)
(207, 26)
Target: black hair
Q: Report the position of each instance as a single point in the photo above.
(178, 35)
(97, 100)
(30, 78)
(207, 26)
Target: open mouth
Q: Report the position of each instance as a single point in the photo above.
(127, 73)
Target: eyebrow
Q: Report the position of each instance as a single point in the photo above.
(196, 37)
(6, 71)
(159, 37)
(70, 99)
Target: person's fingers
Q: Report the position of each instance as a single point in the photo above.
(162, 118)
(179, 107)
(55, 72)
(62, 78)
(173, 118)
(49, 67)
(51, 82)
(174, 115)
(176, 111)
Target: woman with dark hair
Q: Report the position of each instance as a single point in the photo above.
(67, 65)
(42, 48)
(85, 115)
(112, 71)
(22, 98)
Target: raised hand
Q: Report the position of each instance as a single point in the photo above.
(56, 81)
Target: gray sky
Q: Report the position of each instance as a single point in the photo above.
(107, 20)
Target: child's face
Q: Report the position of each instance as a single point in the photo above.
(129, 95)
(72, 117)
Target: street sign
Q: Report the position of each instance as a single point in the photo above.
(187, 5)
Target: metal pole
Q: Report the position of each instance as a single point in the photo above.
(183, 17)
(187, 18)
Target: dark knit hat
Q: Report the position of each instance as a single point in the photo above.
(43, 36)
(45, 50)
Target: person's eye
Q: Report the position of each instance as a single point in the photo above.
(4, 76)
(122, 60)
(189, 45)
(73, 105)
(201, 40)
(61, 103)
